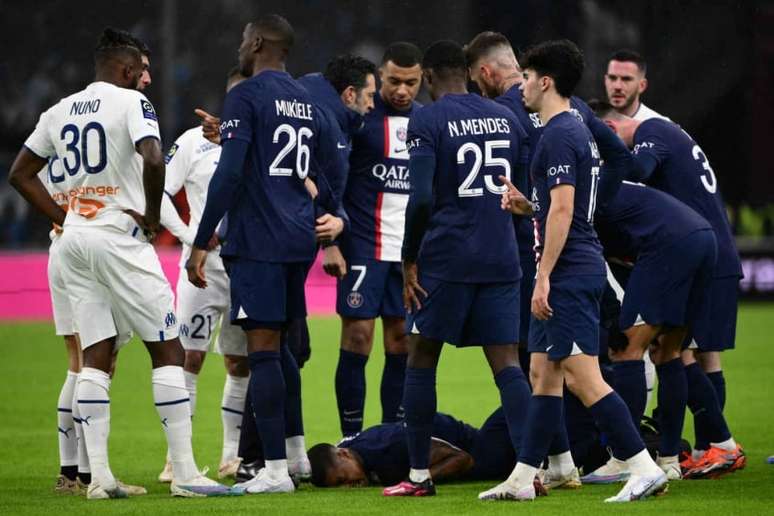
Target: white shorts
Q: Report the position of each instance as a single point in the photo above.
(116, 284)
(60, 301)
(201, 310)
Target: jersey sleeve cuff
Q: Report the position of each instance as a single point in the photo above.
(143, 138)
(36, 153)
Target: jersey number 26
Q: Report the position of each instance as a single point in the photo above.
(295, 140)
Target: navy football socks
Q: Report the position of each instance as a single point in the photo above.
(708, 420)
(672, 400)
(351, 391)
(561, 442)
(419, 402)
(613, 418)
(250, 447)
(629, 382)
(393, 379)
(515, 397)
(543, 419)
(267, 389)
(294, 421)
(719, 383)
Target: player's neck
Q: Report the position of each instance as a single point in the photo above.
(450, 88)
(552, 105)
(509, 81)
(110, 77)
(274, 66)
(632, 108)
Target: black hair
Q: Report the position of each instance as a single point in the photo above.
(482, 43)
(601, 108)
(629, 56)
(445, 57)
(347, 70)
(403, 54)
(561, 60)
(321, 458)
(275, 29)
(114, 43)
(142, 47)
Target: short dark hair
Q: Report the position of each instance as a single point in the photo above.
(601, 108)
(275, 29)
(482, 43)
(629, 56)
(561, 60)
(321, 458)
(445, 57)
(142, 47)
(403, 54)
(113, 43)
(347, 70)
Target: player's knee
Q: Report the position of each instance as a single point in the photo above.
(236, 365)
(709, 361)
(357, 338)
(194, 361)
(166, 353)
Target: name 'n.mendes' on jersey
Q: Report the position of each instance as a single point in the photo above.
(90, 139)
(473, 140)
(378, 185)
(567, 155)
(272, 218)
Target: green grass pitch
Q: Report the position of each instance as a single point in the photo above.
(33, 367)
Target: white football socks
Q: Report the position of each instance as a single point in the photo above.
(231, 408)
(94, 407)
(728, 445)
(190, 385)
(295, 448)
(277, 469)
(68, 440)
(83, 457)
(522, 475)
(419, 475)
(642, 464)
(562, 464)
(174, 408)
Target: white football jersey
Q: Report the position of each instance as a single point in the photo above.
(191, 162)
(645, 113)
(90, 137)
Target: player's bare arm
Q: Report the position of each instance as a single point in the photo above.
(448, 462)
(153, 184)
(24, 177)
(557, 227)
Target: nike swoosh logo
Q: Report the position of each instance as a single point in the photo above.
(340, 146)
(397, 149)
(637, 496)
(350, 412)
(549, 347)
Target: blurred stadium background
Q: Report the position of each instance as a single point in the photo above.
(709, 66)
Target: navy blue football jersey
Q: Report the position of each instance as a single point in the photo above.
(567, 154)
(384, 451)
(272, 219)
(469, 238)
(683, 171)
(378, 185)
(641, 220)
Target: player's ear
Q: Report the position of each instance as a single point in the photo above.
(349, 95)
(643, 85)
(427, 76)
(257, 44)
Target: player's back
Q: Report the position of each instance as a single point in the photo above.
(684, 172)
(470, 239)
(567, 154)
(641, 219)
(91, 136)
(273, 218)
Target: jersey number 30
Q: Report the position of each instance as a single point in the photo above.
(487, 160)
(77, 147)
(711, 184)
(295, 140)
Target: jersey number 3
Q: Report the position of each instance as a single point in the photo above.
(295, 140)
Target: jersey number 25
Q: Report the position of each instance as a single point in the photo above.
(487, 160)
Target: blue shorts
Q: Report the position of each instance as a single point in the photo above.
(266, 295)
(574, 327)
(666, 288)
(493, 455)
(715, 328)
(371, 288)
(528, 271)
(467, 314)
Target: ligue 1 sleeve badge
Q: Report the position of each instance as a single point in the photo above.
(355, 299)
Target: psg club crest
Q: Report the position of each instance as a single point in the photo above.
(400, 134)
(355, 299)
